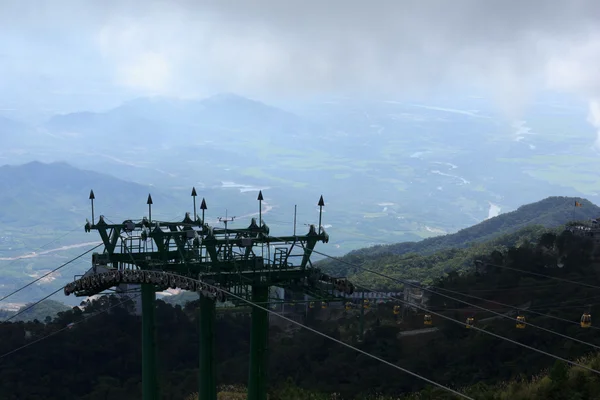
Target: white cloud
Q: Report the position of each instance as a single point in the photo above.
(594, 119)
(383, 46)
(292, 48)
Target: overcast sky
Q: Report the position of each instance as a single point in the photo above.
(69, 50)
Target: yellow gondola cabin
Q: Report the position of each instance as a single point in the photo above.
(470, 322)
(520, 322)
(427, 319)
(396, 310)
(586, 320)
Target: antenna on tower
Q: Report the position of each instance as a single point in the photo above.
(295, 212)
(225, 221)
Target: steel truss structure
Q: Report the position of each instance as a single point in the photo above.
(215, 262)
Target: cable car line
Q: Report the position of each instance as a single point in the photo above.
(519, 324)
(520, 321)
(462, 301)
(554, 305)
(487, 332)
(541, 275)
(331, 338)
(413, 305)
(365, 305)
(515, 308)
(471, 326)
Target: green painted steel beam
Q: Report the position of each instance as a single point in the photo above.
(150, 390)
(259, 336)
(207, 389)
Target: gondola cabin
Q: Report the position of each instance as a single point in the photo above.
(323, 305)
(311, 304)
(427, 319)
(470, 322)
(586, 320)
(366, 304)
(520, 322)
(396, 310)
(348, 305)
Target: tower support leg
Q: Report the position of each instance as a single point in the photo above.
(149, 351)
(207, 389)
(259, 336)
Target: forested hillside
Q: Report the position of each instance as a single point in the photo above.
(41, 311)
(559, 382)
(431, 258)
(101, 357)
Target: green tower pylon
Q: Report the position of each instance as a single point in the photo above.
(259, 337)
(222, 264)
(207, 389)
(149, 349)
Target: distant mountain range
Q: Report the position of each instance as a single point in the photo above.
(47, 308)
(148, 122)
(390, 171)
(56, 194)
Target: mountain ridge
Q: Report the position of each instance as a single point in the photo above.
(43, 191)
(556, 212)
(150, 108)
(433, 257)
(173, 122)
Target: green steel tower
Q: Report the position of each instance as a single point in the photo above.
(221, 264)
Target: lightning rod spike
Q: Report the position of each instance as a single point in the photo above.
(321, 204)
(260, 199)
(92, 198)
(194, 194)
(149, 202)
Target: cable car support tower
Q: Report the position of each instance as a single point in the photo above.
(192, 255)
